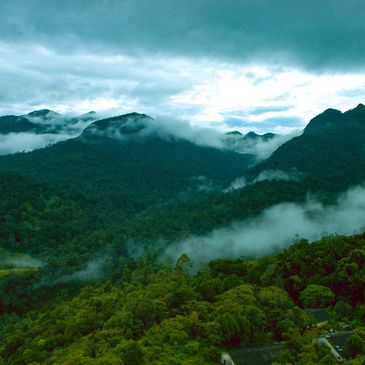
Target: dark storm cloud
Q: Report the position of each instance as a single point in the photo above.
(312, 33)
(32, 76)
(214, 63)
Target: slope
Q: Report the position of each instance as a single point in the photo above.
(331, 150)
(172, 317)
(118, 167)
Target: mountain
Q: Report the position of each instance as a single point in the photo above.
(44, 121)
(331, 148)
(327, 159)
(16, 124)
(234, 133)
(247, 143)
(255, 137)
(250, 136)
(44, 114)
(90, 116)
(84, 224)
(120, 162)
(119, 126)
(124, 168)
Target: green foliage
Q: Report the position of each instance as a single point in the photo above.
(316, 296)
(99, 197)
(331, 150)
(132, 353)
(354, 346)
(157, 315)
(343, 311)
(123, 177)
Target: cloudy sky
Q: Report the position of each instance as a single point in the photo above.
(263, 65)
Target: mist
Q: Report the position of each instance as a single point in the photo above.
(174, 129)
(267, 175)
(278, 227)
(25, 142)
(167, 128)
(51, 119)
(53, 127)
(202, 183)
(238, 183)
(262, 148)
(93, 271)
(24, 261)
(49, 129)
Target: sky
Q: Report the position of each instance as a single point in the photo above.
(261, 65)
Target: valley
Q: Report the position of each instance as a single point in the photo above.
(125, 244)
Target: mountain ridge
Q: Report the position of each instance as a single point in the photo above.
(331, 146)
(41, 121)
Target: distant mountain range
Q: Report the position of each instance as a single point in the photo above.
(120, 179)
(251, 136)
(42, 121)
(127, 149)
(49, 121)
(94, 218)
(112, 163)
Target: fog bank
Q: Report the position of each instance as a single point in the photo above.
(277, 227)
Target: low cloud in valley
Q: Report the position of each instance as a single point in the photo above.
(277, 227)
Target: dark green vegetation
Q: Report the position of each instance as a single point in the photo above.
(98, 210)
(15, 124)
(124, 174)
(159, 315)
(40, 121)
(331, 149)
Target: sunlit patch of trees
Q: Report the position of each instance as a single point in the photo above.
(158, 313)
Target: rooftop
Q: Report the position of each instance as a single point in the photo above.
(320, 315)
(256, 355)
(338, 341)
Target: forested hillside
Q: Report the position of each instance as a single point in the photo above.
(127, 174)
(86, 224)
(330, 149)
(182, 182)
(157, 314)
(42, 121)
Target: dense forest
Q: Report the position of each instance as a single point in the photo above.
(85, 223)
(164, 314)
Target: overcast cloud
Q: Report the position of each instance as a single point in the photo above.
(248, 64)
